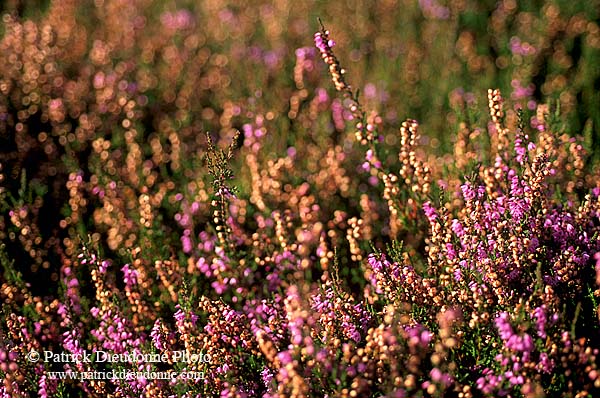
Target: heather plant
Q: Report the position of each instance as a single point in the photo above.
(182, 195)
(509, 236)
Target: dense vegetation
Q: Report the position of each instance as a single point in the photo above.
(202, 197)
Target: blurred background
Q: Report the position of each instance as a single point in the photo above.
(415, 59)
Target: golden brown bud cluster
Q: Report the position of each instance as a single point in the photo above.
(495, 105)
(415, 172)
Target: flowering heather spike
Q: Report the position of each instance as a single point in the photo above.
(218, 166)
(416, 173)
(365, 130)
(496, 107)
(324, 44)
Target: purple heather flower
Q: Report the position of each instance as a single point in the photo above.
(203, 266)
(545, 363)
(179, 314)
(419, 336)
(267, 377)
(103, 266)
(468, 191)
(186, 242)
(520, 151)
(430, 212)
(520, 92)
(321, 44)
(503, 326)
(43, 387)
(156, 335)
(539, 314)
(457, 228)
(129, 275)
(285, 358)
(450, 251)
